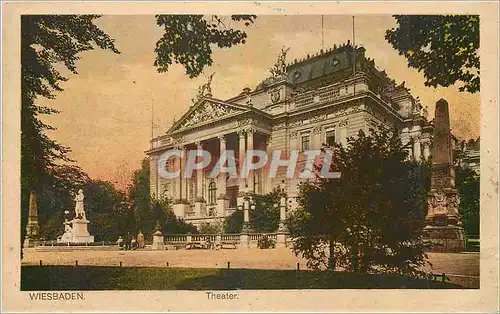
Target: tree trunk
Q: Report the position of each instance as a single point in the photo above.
(331, 261)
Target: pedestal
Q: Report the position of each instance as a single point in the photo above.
(244, 240)
(281, 240)
(281, 236)
(443, 221)
(200, 207)
(29, 242)
(158, 243)
(222, 205)
(80, 231)
(450, 239)
(180, 208)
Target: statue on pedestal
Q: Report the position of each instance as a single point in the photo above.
(76, 230)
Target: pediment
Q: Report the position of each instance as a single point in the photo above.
(207, 111)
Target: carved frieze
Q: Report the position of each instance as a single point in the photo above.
(178, 140)
(318, 118)
(437, 204)
(344, 123)
(279, 126)
(443, 202)
(244, 122)
(345, 112)
(208, 111)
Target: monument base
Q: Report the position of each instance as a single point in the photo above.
(158, 243)
(181, 208)
(281, 240)
(30, 242)
(445, 239)
(80, 232)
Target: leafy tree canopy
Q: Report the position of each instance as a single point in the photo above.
(468, 186)
(51, 41)
(264, 218)
(369, 220)
(188, 40)
(443, 47)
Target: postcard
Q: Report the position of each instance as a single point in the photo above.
(250, 156)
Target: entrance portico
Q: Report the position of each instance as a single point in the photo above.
(202, 196)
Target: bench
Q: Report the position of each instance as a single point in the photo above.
(226, 245)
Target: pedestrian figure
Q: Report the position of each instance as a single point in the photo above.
(127, 241)
(120, 242)
(140, 240)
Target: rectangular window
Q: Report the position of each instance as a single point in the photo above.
(305, 142)
(330, 137)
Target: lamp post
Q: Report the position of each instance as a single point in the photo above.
(246, 215)
(282, 230)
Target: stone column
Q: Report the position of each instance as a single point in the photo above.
(427, 150)
(241, 157)
(282, 231)
(416, 149)
(178, 165)
(265, 175)
(185, 181)
(199, 202)
(244, 239)
(199, 175)
(443, 220)
(251, 178)
(181, 206)
(222, 203)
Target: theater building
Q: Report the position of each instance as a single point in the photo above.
(320, 99)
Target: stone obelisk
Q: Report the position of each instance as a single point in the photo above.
(443, 220)
(32, 228)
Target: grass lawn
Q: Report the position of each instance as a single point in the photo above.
(155, 278)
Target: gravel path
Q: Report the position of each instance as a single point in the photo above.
(281, 258)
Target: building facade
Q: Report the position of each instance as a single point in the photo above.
(318, 100)
(467, 155)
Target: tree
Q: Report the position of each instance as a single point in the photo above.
(55, 197)
(468, 186)
(369, 220)
(443, 47)
(162, 209)
(210, 228)
(47, 40)
(105, 206)
(148, 209)
(266, 215)
(188, 39)
(138, 193)
(234, 223)
(264, 218)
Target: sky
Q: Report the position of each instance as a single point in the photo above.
(106, 110)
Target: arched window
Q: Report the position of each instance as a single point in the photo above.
(212, 191)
